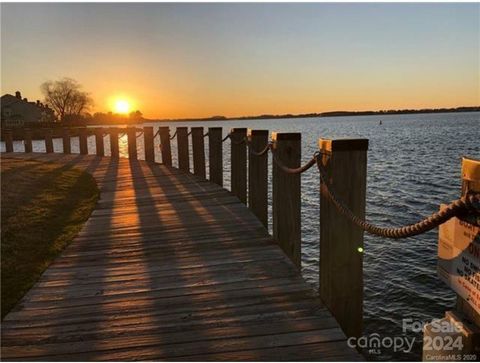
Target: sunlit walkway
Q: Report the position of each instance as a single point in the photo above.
(169, 267)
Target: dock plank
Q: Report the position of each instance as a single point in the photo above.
(168, 267)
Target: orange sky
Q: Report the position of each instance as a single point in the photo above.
(187, 60)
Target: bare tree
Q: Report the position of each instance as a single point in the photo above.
(66, 98)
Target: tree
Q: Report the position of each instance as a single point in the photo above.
(66, 98)
(136, 116)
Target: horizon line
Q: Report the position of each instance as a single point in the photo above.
(475, 108)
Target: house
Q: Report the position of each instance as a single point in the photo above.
(16, 112)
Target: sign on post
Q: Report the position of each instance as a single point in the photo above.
(459, 259)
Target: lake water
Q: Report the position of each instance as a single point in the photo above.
(413, 166)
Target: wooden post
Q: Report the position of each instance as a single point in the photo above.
(165, 145)
(114, 151)
(100, 149)
(8, 136)
(341, 241)
(215, 155)
(48, 141)
(258, 175)
(198, 146)
(148, 143)
(82, 137)
(183, 149)
(67, 149)
(286, 195)
(132, 142)
(28, 141)
(238, 163)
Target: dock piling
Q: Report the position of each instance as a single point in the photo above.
(215, 155)
(238, 163)
(148, 143)
(100, 149)
(183, 149)
(114, 151)
(8, 137)
(132, 142)
(82, 137)
(258, 175)
(198, 146)
(286, 195)
(66, 141)
(341, 242)
(165, 145)
(28, 141)
(48, 141)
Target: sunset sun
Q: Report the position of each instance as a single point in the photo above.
(121, 106)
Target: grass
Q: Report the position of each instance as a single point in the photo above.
(43, 207)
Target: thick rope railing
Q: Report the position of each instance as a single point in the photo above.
(157, 133)
(259, 153)
(467, 204)
(298, 170)
(459, 207)
(238, 142)
(139, 134)
(189, 133)
(172, 137)
(226, 138)
(205, 135)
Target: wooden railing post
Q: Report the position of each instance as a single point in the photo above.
(82, 138)
(286, 195)
(8, 137)
(28, 140)
(67, 149)
(114, 151)
(183, 149)
(132, 142)
(165, 145)
(258, 175)
(215, 155)
(238, 163)
(148, 143)
(100, 149)
(341, 241)
(198, 147)
(48, 141)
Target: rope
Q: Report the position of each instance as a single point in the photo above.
(298, 170)
(175, 134)
(189, 133)
(238, 142)
(140, 134)
(225, 138)
(122, 135)
(469, 203)
(259, 153)
(156, 134)
(205, 135)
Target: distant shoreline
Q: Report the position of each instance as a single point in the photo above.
(322, 114)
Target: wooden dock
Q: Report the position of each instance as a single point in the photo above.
(169, 267)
